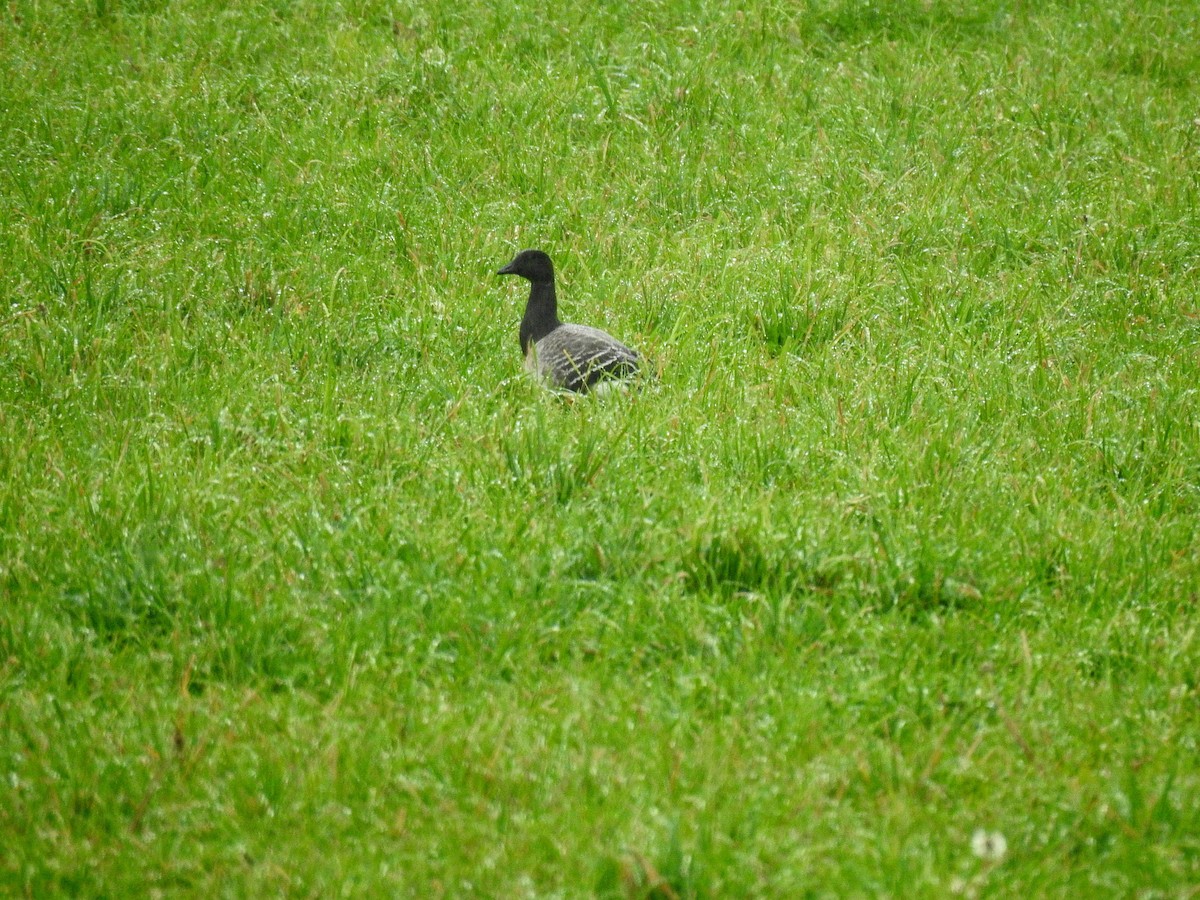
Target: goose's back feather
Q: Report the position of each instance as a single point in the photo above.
(576, 357)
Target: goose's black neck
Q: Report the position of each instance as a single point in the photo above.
(541, 313)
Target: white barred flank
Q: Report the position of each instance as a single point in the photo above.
(576, 357)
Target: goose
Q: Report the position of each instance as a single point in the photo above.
(565, 357)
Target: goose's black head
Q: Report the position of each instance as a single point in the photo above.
(532, 264)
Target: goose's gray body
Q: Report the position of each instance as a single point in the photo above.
(578, 357)
(565, 357)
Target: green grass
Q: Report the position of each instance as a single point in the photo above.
(305, 589)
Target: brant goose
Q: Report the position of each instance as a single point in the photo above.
(565, 357)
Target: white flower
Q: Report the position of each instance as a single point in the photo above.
(989, 845)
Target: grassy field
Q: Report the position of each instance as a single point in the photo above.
(887, 585)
